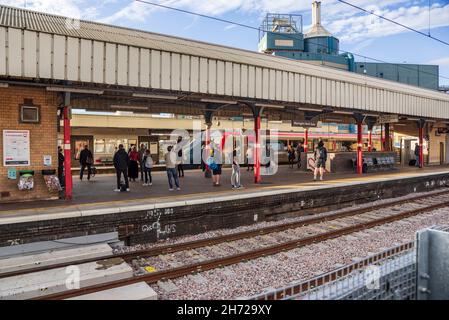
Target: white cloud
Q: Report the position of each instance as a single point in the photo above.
(135, 11)
(230, 26)
(440, 61)
(78, 9)
(359, 27)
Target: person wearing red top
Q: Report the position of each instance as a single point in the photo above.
(133, 169)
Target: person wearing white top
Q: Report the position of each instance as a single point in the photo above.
(148, 165)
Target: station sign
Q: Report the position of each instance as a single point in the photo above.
(304, 123)
(387, 118)
(16, 148)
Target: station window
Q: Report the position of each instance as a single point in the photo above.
(99, 146)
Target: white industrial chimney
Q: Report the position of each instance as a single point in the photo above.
(317, 30)
(316, 13)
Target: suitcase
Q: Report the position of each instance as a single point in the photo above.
(412, 162)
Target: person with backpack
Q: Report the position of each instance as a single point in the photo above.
(417, 152)
(147, 164)
(320, 156)
(170, 163)
(86, 160)
(216, 165)
(121, 163)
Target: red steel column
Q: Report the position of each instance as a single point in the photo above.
(381, 137)
(67, 155)
(359, 148)
(370, 141)
(306, 139)
(257, 177)
(421, 147)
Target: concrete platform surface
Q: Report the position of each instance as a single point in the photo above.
(97, 198)
(136, 291)
(46, 282)
(52, 257)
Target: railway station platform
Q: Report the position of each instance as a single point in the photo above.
(153, 213)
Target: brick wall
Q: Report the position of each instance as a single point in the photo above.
(43, 139)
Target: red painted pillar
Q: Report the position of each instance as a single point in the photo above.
(257, 177)
(306, 139)
(67, 155)
(370, 140)
(382, 138)
(421, 147)
(359, 148)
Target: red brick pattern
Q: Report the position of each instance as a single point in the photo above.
(43, 139)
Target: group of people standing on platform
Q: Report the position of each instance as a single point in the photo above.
(295, 153)
(129, 164)
(319, 157)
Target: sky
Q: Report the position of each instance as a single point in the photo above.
(358, 32)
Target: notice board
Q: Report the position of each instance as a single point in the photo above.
(16, 148)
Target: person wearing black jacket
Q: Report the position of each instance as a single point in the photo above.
(86, 160)
(61, 166)
(299, 151)
(121, 162)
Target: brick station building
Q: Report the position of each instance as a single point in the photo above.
(43, 138)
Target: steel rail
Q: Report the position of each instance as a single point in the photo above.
(237, 258)
(155, 251)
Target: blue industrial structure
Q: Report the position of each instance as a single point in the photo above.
(282, 35)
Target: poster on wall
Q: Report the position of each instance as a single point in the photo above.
(16, 148)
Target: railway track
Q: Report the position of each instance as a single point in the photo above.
(301, 233)
(191, 245)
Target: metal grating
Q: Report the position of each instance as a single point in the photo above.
(349, 282)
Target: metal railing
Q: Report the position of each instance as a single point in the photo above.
(337, 283)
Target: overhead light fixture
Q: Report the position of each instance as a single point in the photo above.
(74, 90)
(276, 106)
(344, 112)
(219, 101)
(154, 96)
(4, 85)
(333, 120)
(129, 107)
(310, 109)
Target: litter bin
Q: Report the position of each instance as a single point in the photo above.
(51, 180)
(26, 180)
